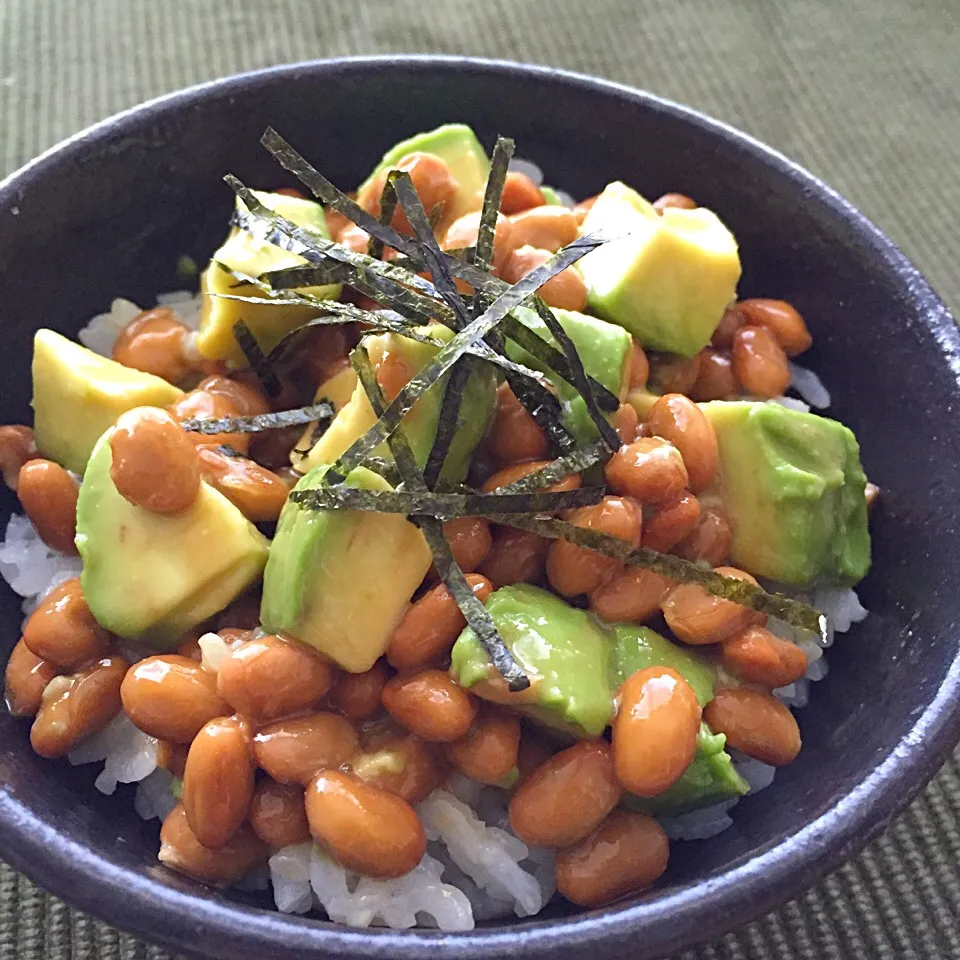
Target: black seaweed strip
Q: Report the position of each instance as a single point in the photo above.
(229, 451)
(259, 422)
(472, 609)
(461, 342)
(256, 359)
(794, 612)
(448, 420)
(388, 206)
(580, 380)
(444, 506)
(563, 467)
(432, 254)
(499, 162)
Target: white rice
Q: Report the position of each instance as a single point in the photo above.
(100, 334)
(809, 386)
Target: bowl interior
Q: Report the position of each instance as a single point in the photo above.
(110, 216)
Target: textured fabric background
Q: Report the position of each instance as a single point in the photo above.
(866, 93)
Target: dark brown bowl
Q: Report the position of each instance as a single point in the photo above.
(108, 213)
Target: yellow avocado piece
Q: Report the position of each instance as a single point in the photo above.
(340, 580)
(245, 254)
(77, 394)
(339, 391)
(666, 278)
(150, 576)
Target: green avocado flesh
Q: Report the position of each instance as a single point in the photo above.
(636, 648)
(420, 424)
(457, 145)
(710, 778)
(150, 576)
(604, 349)
(564, 652)
(77, 394)
(247, 255)
(666, 277)
(793, 488)
(340, 580)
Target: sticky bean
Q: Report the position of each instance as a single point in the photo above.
(650, 470)
(716, 380)
(154, 463)
(754, 723)
(759, 362)
(565, 291)
(674, 201)
(258, 493)
(519, 470)
(399, 762)
(357, 695)
(671, 522)
(710, 539)
(470, 541)
(672, 374)
(369, 830)
(631, 597)
(63, 630)
(627, 852)
(488, 752)
(655, 730)
(431, 625)
(181, 850)
(293, 750)
(154, 342)
(731, 321)
(48, 495)
(566, 797)
(517, 556)
(26, 677)
(245, 395)
(759, 656)
(218, 781)
(430, 704)
(545, 227)
(278, 814)
(573, 570)
(463, 233)
(581, 210)
(625, 421)
(271, 677)
(698, 617)
(781, 319)
(678, 420)
(75, 708)
(519, 193)
(172, 757)
(201, 405)
(171, 697)
(515, 435)
(17, 446)
(639, 367)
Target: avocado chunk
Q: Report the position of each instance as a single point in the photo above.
(550, 196)
(563, 650)
(636, 648)
(340, 580)
(152, 577)
(457, 145)
(710, 778)
(252, 257)
(338, 390)
(77, 394)
(793, 488)
(605, 350)
(420, 424)
(667, 278)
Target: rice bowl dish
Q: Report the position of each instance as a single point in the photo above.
(475, 864)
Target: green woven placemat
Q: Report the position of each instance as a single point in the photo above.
(866, 93)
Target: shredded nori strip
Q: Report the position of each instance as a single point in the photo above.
(580, 381)
(794, 612)
(454, 350)
(472, 609)
(229, 451)
(261, 421)
(255, 358)
(499, 162)
(554, 472)
(388, 206)
(447, 421)
(444, 506)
